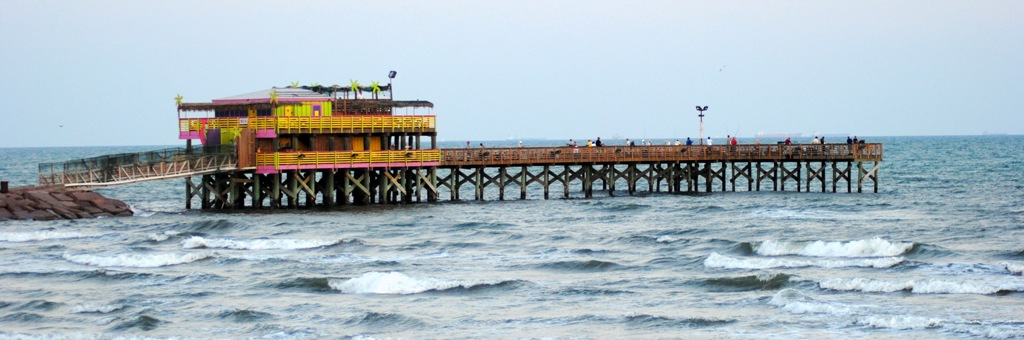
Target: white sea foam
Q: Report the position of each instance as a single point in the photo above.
(390, 283)
(875, 247)
(163, 236)
(923, 286)
(795, 302)
(1014, 268)
(41, 235)
(666, 239)
(104, 309)
(987, 329)
(716, 260)
(961, 269)
(256, 244)
(899, 322)
(809, 307)
(136, 260)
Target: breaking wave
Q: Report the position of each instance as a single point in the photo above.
(154, 237)
(42, 235)
(104, 309)
(136, 260)
(256, 244)
(716, 260)
(899, 322)
(875, 247)
(795, 302)
(401, 284)
(746, 283)
(1014, 268)
(924, 286)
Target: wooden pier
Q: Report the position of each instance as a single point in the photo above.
(314, 146)
(504, 173)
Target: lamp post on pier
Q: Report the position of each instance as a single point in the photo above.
(391, 90)
(701, 115)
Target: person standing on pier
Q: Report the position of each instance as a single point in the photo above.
(689, 141)
(710, 143)
(815, 140)
(598, 142)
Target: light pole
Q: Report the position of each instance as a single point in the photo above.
(701, 115)
(391, 90)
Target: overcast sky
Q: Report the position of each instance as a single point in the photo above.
(94, 73)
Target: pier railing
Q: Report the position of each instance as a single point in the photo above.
(346, 159)
(691, 153)
(135, 167)
(191, 127)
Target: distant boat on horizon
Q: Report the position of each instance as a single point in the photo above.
(778, 135)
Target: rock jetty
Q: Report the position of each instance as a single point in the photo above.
(54, 203)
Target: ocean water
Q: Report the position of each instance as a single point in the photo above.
(937, 252)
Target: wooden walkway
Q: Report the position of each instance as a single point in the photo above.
(644, 154)
(673, 169)
(112, 170)
(318, 179)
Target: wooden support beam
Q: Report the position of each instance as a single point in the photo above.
(744, 172)
(839, 174)
(815, 174)
(871, 174)
(770, 173)
(790, 174)
(328, 188)
(432, 195)
(502, 173)
(257, 191)
(275, 191)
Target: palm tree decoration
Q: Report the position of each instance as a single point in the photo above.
(355, 88)
(294, 84)
(273, 97)
(375, 89)
(178, 101)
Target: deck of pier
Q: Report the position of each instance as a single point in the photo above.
(331, 178)
(536, 156)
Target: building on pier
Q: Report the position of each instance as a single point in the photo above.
(285, 137)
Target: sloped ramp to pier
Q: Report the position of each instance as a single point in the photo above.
(128, 168)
